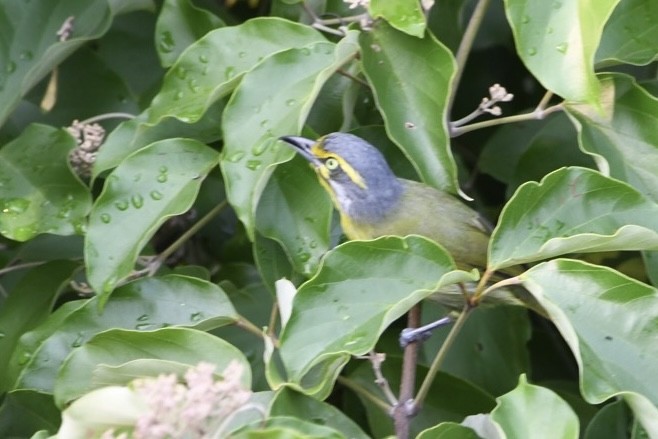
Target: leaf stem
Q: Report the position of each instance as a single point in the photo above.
(157, 261)
(362, 391)
(106, 116)
(376, 359)
(465, 47)
(440, 356)
(249, 327)
(20, 267)
(536, 114)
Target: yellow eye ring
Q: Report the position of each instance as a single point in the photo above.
(331, 164)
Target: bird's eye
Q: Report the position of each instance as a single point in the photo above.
(331, 164)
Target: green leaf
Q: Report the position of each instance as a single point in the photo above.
(411, 80)
(630, 35)
(519, 152)
(24, 411)
(287, 428)
(145, 304)
(361, 287)
(622, 139)
(118, 346)
(28, 304)
(448, 430)
(27, 56)
(272, 100)
(608, 321)
(137, 133)
(38, 191)
(404, 15)
(210, 68)
(557, 40)
(534, 411)
(610, 422)
(290, 403)
(572, 210)
(295, 211)
(154, 183)
(496, 336)
(180, 24)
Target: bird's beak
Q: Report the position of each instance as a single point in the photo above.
(303, 146)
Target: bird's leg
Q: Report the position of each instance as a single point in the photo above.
(422, 333)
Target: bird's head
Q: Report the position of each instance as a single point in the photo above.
(354, 172)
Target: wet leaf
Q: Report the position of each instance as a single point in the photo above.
(153, 184)
(38, 191)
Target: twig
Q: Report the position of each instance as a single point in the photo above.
(20, 267)
(274, 315)
(353, 78)
(323, 24)
(403, 410)
(534, 115)
(157, 261)
(440, 356)
(363, 392)
(376, 359)
(465, 47)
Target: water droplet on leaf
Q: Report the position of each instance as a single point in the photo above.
(234, 158)
(562, 47)
(121, 205)
(259, 148)
(195, 317)
(156, 195)
(137, 201)
(253, 164)
(166, 42)
(181, 72)
(106, 218)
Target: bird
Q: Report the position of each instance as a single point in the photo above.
(372, 201)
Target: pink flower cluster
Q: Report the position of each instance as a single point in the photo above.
(195, 409)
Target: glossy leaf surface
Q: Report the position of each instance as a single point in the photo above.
(557, 41)
(404, 15)
(607, 320)
(631, 34)
(31, 302)
(146, 304)
(27, 56)
(212, 67)
(295, 211)
(180, 24)
(38, 191)
(154, 183)
(272, 100)
(411, 79)
(534, 411)
(572, 210)
(622, 139)
(119, 346)
(348, 304)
